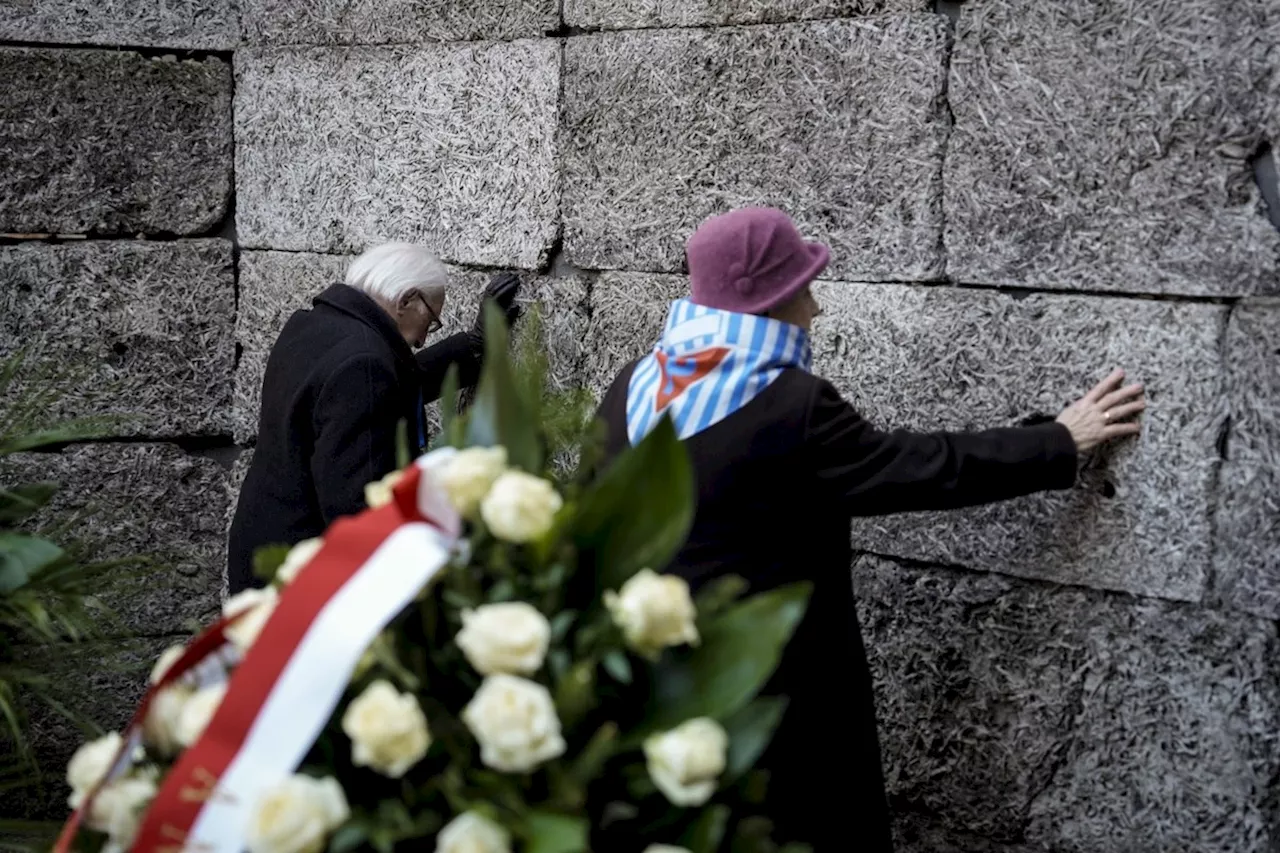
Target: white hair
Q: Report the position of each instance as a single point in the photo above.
(389, 271)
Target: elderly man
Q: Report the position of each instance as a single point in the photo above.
(341, 378)
(781, 463)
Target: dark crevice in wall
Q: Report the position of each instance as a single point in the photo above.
(1018, 292)
(1222, 446)
(153, 52)
(949, 118)
(949, 8)
(1265, 175)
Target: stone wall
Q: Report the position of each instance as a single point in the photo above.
(1018, 195)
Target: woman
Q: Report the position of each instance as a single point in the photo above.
(782, 463)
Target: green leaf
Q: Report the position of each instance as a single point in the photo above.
(576, 692)
(718, 594)
(593, 756)
(750, 731)
(738, 653)
(449, 425)
(21, 502)
(638, 513)
(617, 665)
(21, 556)
(268, 559)
(500, 414)
(706, 833)
(348, 838)
(403, 454)
(561, 624)
(555, 833)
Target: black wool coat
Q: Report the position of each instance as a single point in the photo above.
(777, 483)
(339, 380)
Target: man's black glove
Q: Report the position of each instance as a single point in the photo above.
(502, 291)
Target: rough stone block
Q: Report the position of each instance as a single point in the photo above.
(396, 22)
(275, 284)
(111, 142)
(1101, 150)
(453, 146)
(1067, 719)
(841, 123)
(141, 500)
(100, 682)
(636, 14)
(192, 24)
(1247, 540)
(628, 311)
(1138, 519)
(136, 331)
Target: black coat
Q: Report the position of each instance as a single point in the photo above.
(339, 380)
(777, 483)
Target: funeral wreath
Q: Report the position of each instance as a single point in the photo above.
(490, 658)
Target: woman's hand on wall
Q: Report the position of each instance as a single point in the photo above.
(1100, 415)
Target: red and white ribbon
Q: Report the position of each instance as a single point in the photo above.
(369, 568)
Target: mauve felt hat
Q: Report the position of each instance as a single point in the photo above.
(751, 260)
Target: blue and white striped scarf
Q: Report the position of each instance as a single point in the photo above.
(708, 364)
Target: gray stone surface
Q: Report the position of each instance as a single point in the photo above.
(628, 311)
(1138, 519)
(112, 142)
(395, 21)
(454, 146)
(194, 24)
(1096, 148)
(632, 14)
(136, 331)
(141, 500)
(1014, 713)
(841, 123)
(99, 682)
(1247, 534)
(275, 284)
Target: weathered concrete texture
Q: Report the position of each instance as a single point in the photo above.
(1138, 519)
(395, 22)
(634, 14)
(841, 123)
(235, 479)
(275, 284)
(112, 142)
(628, 311)
(1069, 720)
(1247, 540)
(1099, 149)
(136, 331)
(192, 24)
(453, 146)
(100, 682)
(142, 500)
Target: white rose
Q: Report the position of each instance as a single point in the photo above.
(379, 494)
(473, 833)
(654, 611)
(261, 603)
(196, 713)
(520, 507)
(89, 765)
(160, 728)
(665, 848)
(119, 807)
(298, 557)
(511, 637)
(388, 730)
(686, 762)
(297, 816)
(167, 659)
(467, 476)
(515, 722)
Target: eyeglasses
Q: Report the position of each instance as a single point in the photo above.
(436, 324)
